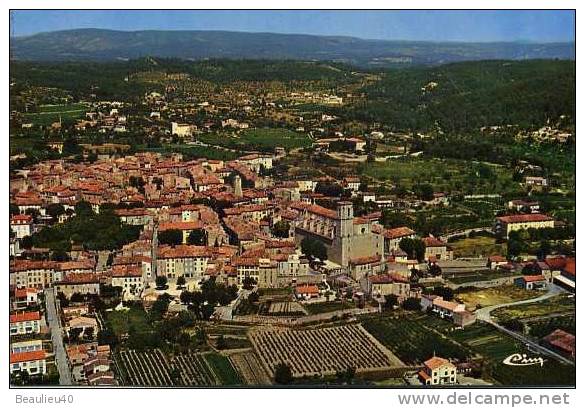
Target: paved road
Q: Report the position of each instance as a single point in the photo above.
(484, 315)
(57, 338)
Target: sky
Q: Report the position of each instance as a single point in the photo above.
(438, 25)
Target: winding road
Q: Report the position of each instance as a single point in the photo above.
(484, 315)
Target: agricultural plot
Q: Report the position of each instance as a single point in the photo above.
(259, 139)
(496, 346)
(155, 369)
(223, 369)
(477, 246)
(411, 340)
(556, 305)
(323, 351)
(194, 370)
(250, 368)
(285, 309)
(326, 307)
(146, 369)
(48, 114)
(495, 296)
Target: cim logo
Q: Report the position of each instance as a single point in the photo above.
(523, 360)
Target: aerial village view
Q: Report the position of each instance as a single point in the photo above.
(224, 209)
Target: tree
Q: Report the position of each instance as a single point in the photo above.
(435, 270)
(88, 333)
(394, 219)
(181, 281)
(391, 301)
(161, 282)
(314, 248)
(83, 209)
(514, 325)
(282, 374)
(221, 343)
(414, 248)
(197, 237)
(445, 292)
(55, 210)
(281, 229)
(424, 191)
(170, 237)
(74, 334)
(59, 256)
(248, 283)
(411, 304)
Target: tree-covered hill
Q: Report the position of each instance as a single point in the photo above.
(109, 45)
(468, 95)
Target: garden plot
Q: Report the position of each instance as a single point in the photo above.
(146, 369)
(323, 351)
(250, 368)
(286, 309)
(155, 369)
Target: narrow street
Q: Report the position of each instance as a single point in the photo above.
(484, 315)
(57, 338)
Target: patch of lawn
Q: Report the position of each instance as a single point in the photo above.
(223, 369)
(494, 296)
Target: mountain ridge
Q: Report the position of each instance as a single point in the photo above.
(92, 44)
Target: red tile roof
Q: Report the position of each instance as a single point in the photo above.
(518, 218)
(24, 317)
(27, 356)
(436, 362)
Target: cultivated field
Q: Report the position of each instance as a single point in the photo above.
(495, 296)
(323, 351)
(153, 368)
(286, 309)
(414, 338)
(250, 368)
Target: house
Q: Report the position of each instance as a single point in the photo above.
(532, 207)
(364, 266)
(85, 324)
(386, 284)
(561, 341)
(567, 277)
(393, 236)
(181, 129)
(21, 225)
(307, 291)
(33, 362)
(531, 282)
(535, 181)
(438, 371)
(26, 345)
(25, 323)
(25, 297)
(444, 308)
(129, 278)
(436, 250)
(508, 223)
(463, 318)
(496, 262)
(83, 283)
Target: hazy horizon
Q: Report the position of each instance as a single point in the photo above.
(531, 26)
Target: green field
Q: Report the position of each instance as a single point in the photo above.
(223, 369)
(557, 304)
(122, 320)
(443, 174)
(326, 307)
(495, 346)
(48, 114)
(475, 276)
(477, 246)
(411, 340)
(258, 139)
(193, 151)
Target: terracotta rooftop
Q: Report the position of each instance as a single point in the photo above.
(518, 218)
